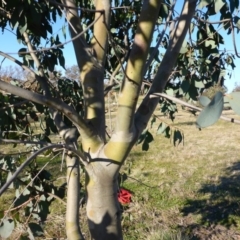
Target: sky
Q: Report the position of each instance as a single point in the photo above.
(9, 45)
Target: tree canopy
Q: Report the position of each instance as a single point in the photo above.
(134, 45)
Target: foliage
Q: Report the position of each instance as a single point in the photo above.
(108, 40)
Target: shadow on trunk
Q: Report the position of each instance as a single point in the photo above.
(99, 230)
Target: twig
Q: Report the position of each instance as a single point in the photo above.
(86, 9)
(234, 41)
(24, 142)
(181, 102)
(77, 8)
(63, 156)
(54, 103)
(209, 22)
(22, 205)
(109, 112)
(14, 153)
(47, 49)
(14, 105)
(6, 55)
(19, 170)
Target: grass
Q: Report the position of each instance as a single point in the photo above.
(178, 193)
(195, 189)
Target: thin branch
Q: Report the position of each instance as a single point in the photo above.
(111, 76)
(21, 205)
(53, 47)
(24, 142)
(30, 49)
(32, 180)
(27, 162)
(181, 102)
(148, 105)
(134, 70)
(15, 153)
(14, 105)
(86, 9)
(6, 55)
(54, 103)
(234, 41)
(73, 7)
(215, 22)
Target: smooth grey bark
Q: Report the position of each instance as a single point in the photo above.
(103, 209)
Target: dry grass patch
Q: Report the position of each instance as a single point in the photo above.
(193, 192)
(179, 193)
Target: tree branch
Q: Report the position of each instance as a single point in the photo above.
(30, 48)
(24, 142)
(91, 75)
(149, 104)
(14, 105)
(54, 103)
(134, 71)
(181, 102)
(99, 42)
(233, 39)
(17, 62)
(160, 39)
(27, 162)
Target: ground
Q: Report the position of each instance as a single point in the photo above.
(184, 192)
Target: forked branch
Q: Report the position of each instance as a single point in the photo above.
(149, 104)
(27, 162)
(135, 65)
(54, 103)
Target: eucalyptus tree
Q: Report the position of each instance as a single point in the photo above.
(179, 54)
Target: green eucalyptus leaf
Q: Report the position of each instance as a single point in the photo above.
(204, 101)
(22, 29)
(64, 31)
(142, 137)
(199, 84)
(153, 120)
(145, 145)
(6, 228)
(167, 132)
(218, 4)
(36, 229)
(234, 4)
(204, 3)
(161, 128)
(211, 113)
(177, 137)
(237, 22)
(149, 138)
(210, 44)
(9, 176)
(21, 52)
(184, 47)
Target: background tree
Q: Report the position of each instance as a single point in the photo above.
(109, 38)
(11, 72)
(72, 72)
(237, 88)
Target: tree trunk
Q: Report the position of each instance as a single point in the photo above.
(103, 209)
(72, 214)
